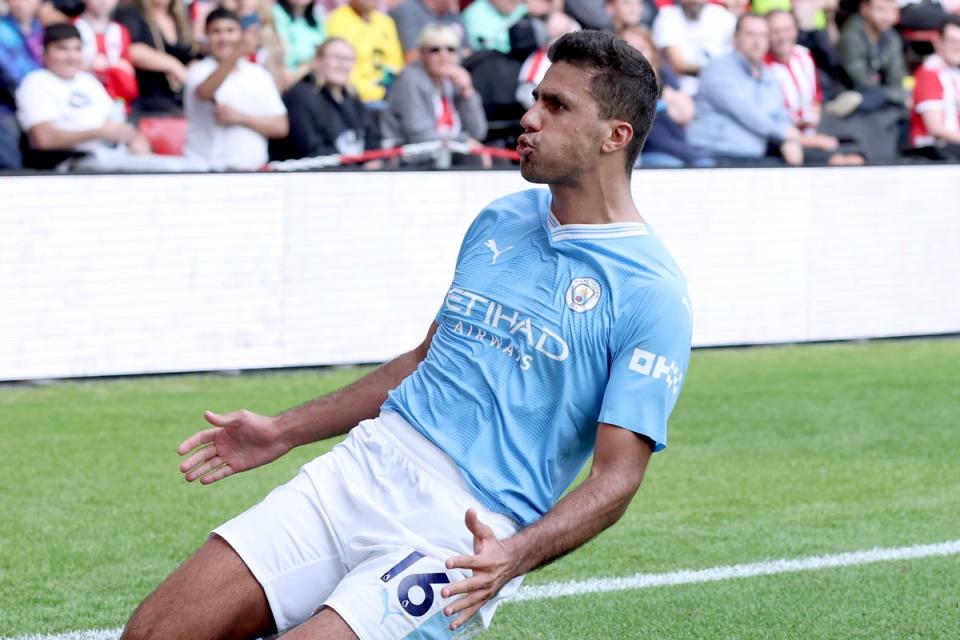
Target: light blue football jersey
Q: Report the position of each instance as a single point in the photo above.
(546, 331)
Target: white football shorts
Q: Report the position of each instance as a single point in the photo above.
(365, 530)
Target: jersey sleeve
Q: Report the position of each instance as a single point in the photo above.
(650, 353)
(928, 91)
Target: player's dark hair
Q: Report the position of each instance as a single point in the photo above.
(58, 32)
(952, 19)
(220, 14)
(308, 15)
(623, 82)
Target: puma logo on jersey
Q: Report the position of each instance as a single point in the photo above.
(492, 245)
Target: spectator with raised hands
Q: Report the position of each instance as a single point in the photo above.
(106, 50)
(326, 116)
(162, 46)
(434, 98)
(65, 109)
(740, 114)
(256, 18)
(232, 105)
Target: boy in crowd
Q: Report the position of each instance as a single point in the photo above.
(232, 105)
(63, 108)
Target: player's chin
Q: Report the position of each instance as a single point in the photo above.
(530, 173)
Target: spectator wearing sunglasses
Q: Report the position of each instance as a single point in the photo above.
(434, 98)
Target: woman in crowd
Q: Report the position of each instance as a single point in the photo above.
(326, 116)
(301, 32)
(433, 98)
(667, 144)
(162, 46)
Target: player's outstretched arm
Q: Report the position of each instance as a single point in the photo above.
(619, 463)
(243, 440)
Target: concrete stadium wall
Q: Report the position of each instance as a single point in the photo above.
(103, 275)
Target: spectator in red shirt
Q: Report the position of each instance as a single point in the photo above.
(106, 50)
(935, 121)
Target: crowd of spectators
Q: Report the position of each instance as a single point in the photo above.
(163, 85)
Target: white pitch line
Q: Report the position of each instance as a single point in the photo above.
(648, 580)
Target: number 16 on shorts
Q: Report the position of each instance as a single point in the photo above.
(412, 586)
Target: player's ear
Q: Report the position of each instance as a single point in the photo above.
(619, 136)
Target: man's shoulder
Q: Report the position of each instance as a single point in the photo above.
(41, 78)
(521, 203)
(525, 207)
(728, 65)
(853, 30)
(8, 31)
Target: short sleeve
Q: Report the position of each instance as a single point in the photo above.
(928, 91)
(650, 355)
(34, 105)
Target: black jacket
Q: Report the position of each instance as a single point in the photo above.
(320, 125)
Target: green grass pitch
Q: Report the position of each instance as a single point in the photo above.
(779, 452)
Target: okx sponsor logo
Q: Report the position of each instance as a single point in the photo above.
(657, 367)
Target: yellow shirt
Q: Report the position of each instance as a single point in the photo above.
(377, 45)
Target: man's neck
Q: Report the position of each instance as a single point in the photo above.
(872, 32)
(594, 202)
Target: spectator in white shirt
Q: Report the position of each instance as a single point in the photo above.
(63, 108)
(690, 35)
(232, 105)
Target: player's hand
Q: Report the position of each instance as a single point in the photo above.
(492, 565)
(238, 441)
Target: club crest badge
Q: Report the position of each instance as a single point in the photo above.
(583, 294)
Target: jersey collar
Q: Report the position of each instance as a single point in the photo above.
(560, 232)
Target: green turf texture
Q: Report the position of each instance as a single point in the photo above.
(777, 452)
